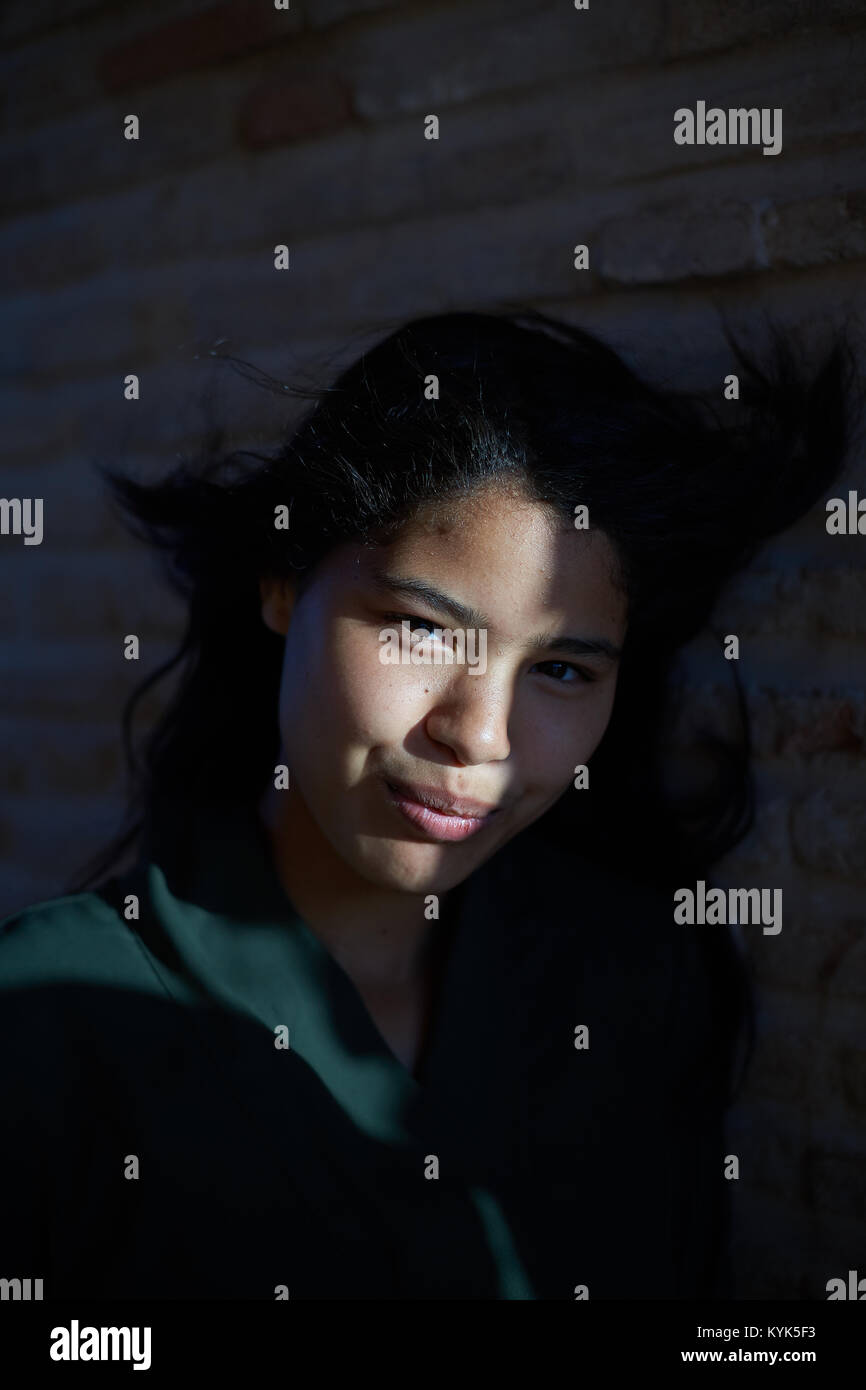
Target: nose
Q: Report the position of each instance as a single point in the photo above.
(470, 718)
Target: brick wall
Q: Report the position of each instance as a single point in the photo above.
(556, 127)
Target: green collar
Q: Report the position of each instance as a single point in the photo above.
(217, 902)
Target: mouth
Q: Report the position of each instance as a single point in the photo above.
(438, 815)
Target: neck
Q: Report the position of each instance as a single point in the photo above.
(380, 936)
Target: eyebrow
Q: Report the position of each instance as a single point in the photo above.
(471, 617)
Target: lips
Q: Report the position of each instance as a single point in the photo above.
(441, 801)
(449, 819)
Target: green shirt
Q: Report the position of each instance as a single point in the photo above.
(158, 1141)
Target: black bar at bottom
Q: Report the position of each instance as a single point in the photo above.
(219, 1338)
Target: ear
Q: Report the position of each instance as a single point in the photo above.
(278, 599)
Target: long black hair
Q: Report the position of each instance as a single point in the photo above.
(687, 490)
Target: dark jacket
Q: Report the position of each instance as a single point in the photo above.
(148, 1046)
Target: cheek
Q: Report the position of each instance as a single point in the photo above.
(598, 718)
(345, 692)
(383, 700)
(550, 747)
(594, 726)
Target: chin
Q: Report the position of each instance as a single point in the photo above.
(411, 873)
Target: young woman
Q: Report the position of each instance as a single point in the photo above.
(392, 1002)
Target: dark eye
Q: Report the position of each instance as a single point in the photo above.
(414, 623)
(562, 671)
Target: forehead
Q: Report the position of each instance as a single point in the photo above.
(505, 554)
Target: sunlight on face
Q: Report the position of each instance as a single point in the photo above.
(361, 735)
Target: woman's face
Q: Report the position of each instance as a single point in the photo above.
(373, 730)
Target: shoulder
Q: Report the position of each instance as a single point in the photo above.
(77, 939)
(78, 991)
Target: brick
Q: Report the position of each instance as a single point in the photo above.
(279, 111)
(806, 600)
(546, 140)
(811, 308)
(393, 75)
(126, 326)
(77, 681)
(48, 338)
(811, 736)
(830, 725)
(201, 300)
(64, 56)
(86, 152)
(217, 35)
(44, 758)
(525, 146)
(320, 13)
(816, 230)
(76, 422)
(47, 838)
(695, 27)
(820, 949)
(21, 18)
(41, 425)
(677, 241)
(790, 660)
(796, 957)
(681, 238)
(695, 352)
(102, 597)
(31, 245)
(75, 511)
(761, 853)
(221, 207)
(829, 834)
(807, 723)
(431, 62)
(85, 419)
